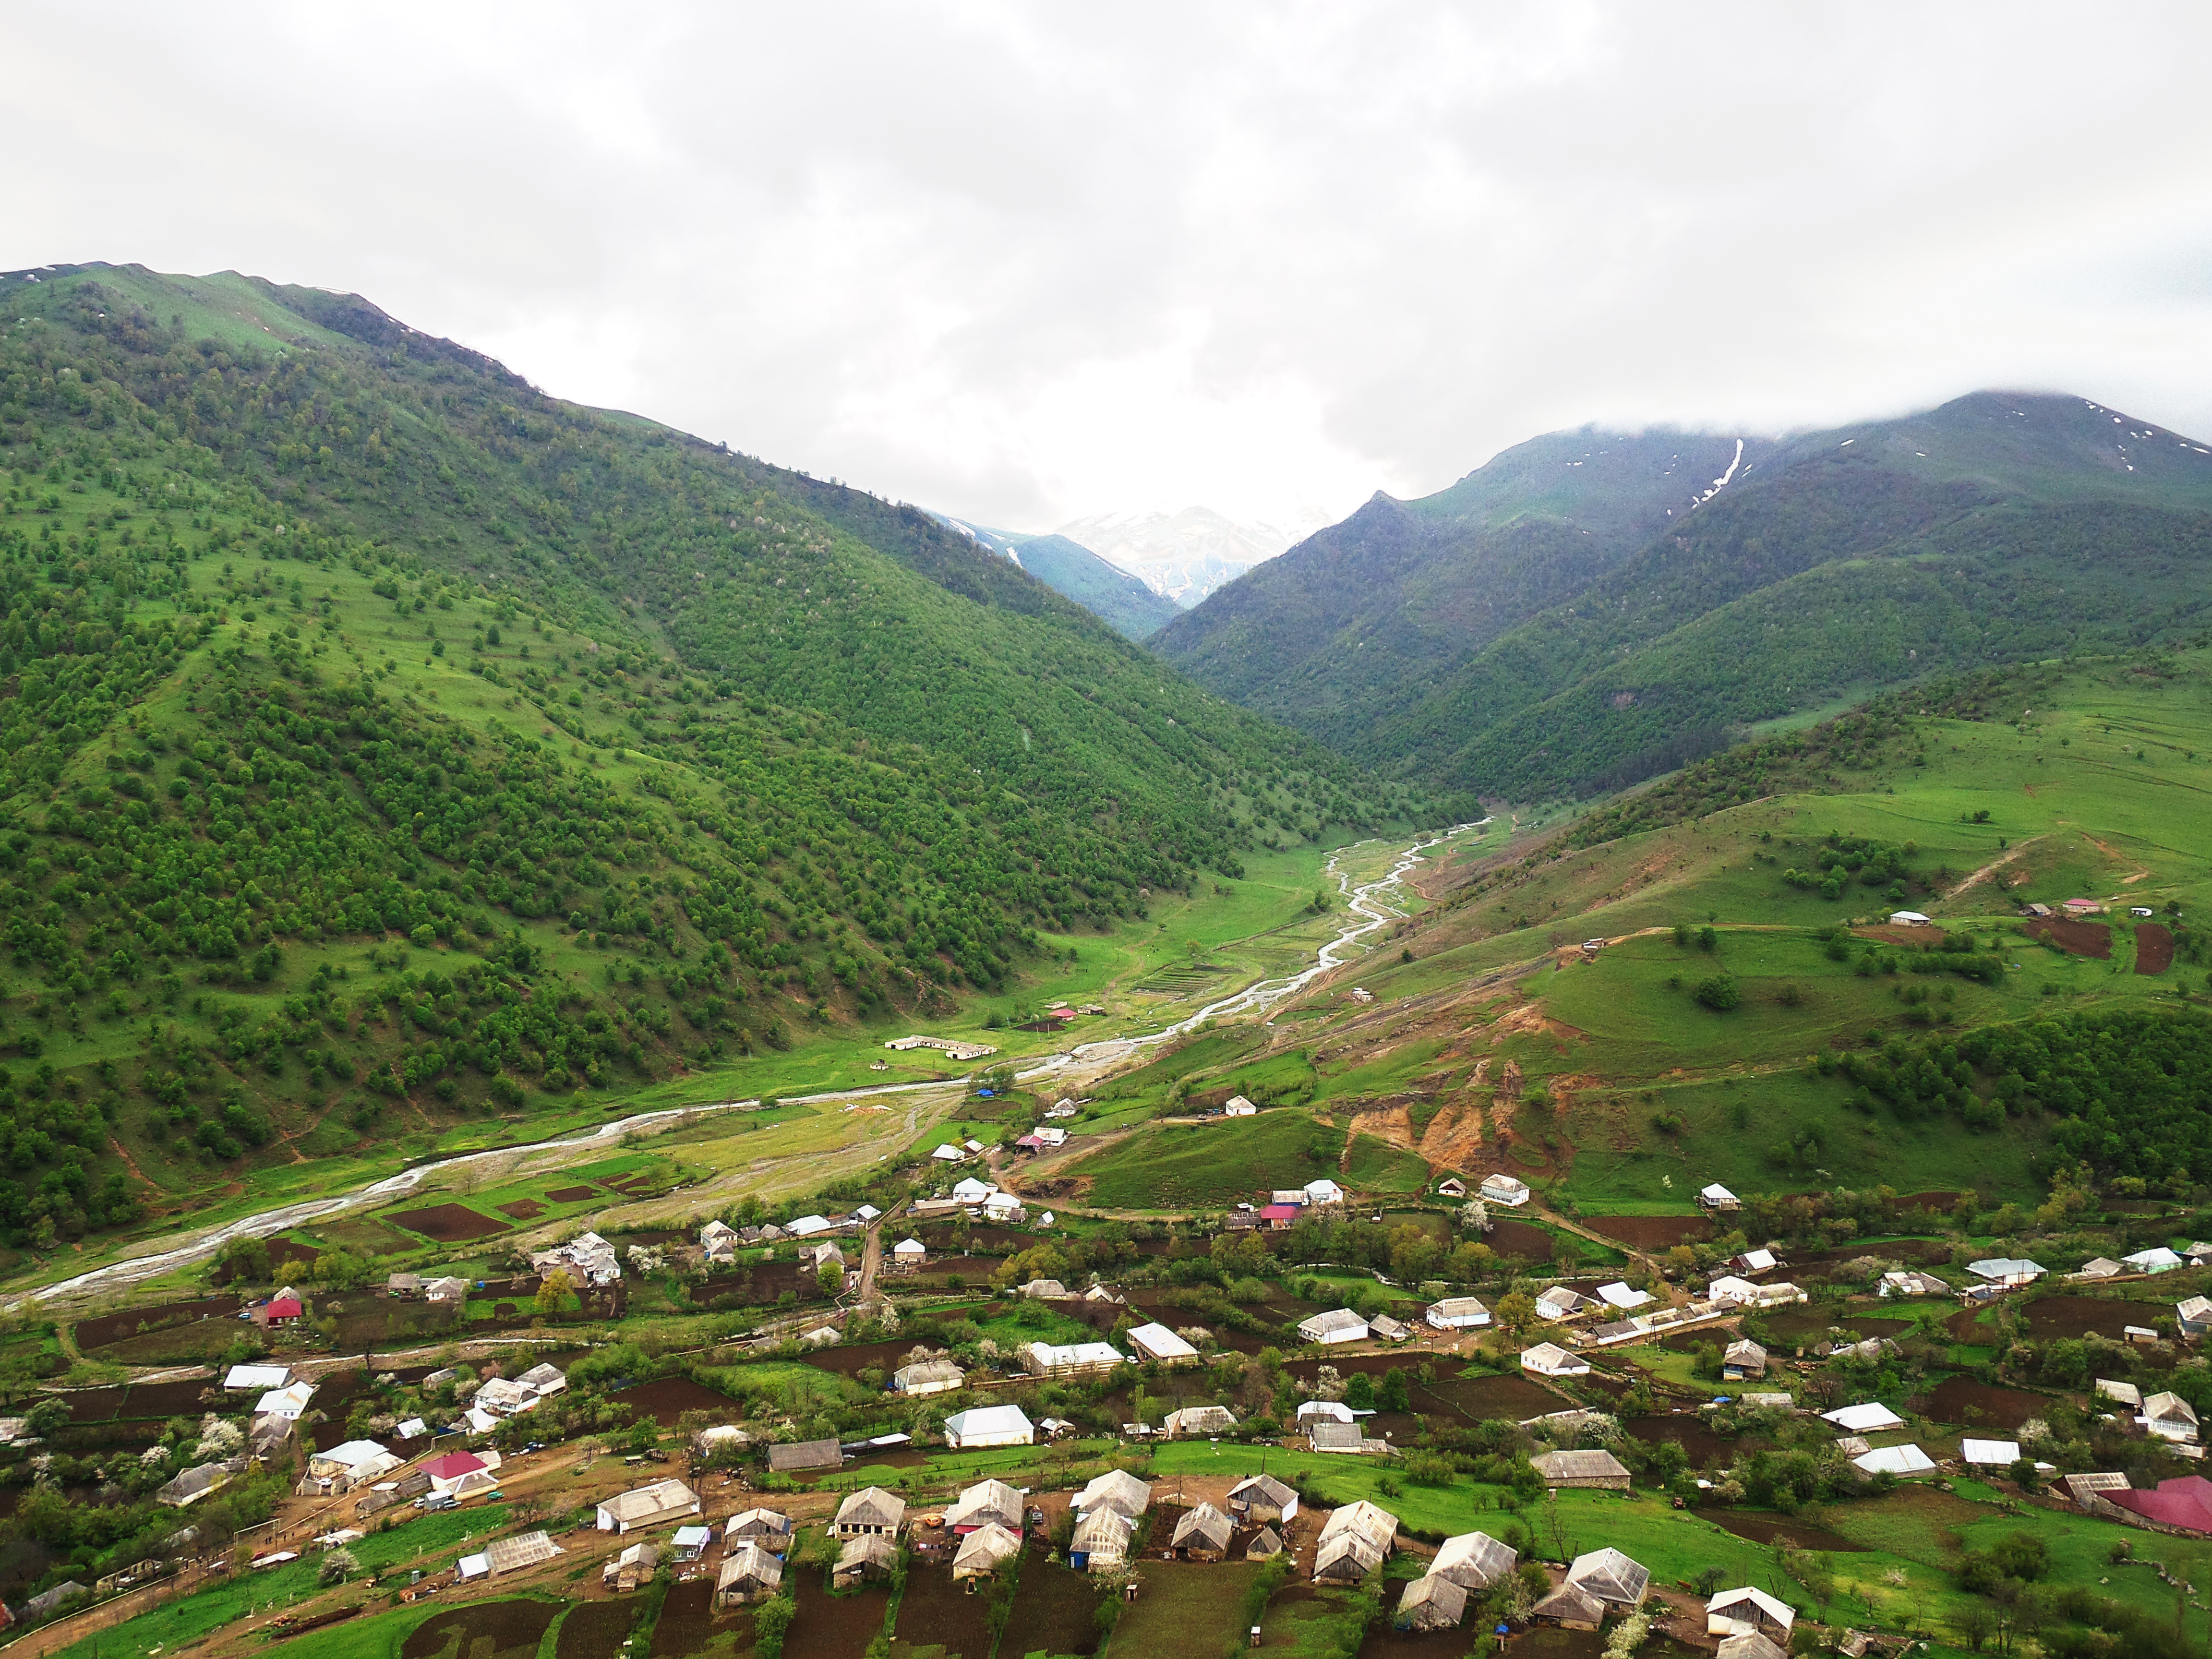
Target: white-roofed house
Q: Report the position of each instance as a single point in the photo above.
(1749, 1611)
(946, 1153)
(2102, 1266)
(1619, 1295)
(927, 1377)
(2007, 1271)
(2169, 1417)
(1905, 1282)
(1198, 1421)
(1509, 1190)
(909, 1252)
(968, 1190)
(1549, 1359)
(989, 1426)
(257, 1379)
(1065, 1360)
(1989, 1454)
(1868, 1417)
(691, 1542)
(1904, 1462)
(1717, 1197)
(1457, 1313)
(2194, 1316)
(1338, 1324)
(1754, 1261)
(659, 1504)
(1330, 1411)
(2157, 1259)
(1560, 1303)
(286, 1402)
(1323, 1191)
(1003, 1207)
(1156, 1343)
(1239, 1106)
(807, 1225)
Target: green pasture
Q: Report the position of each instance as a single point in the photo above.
(1210, 1165)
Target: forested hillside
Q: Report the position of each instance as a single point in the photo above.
(385, 736)
(1997, 528)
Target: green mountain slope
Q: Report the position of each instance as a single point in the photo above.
(1122, 601)
(387, 741)
(1998, 527)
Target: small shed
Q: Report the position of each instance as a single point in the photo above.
(871, 1556)
(984, 1551)
(1597, 1469)
(1261, 1498)
(1264, 1546)
(1202, 1535)
(1570, 1607)
(749, 1574)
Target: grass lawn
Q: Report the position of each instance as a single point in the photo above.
(1208, 1166)
(187, 1620)
(1376, 1166)
(1183, 1607)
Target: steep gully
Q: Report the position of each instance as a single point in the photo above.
(1369, 907)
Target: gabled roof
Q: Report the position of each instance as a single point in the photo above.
(1446, 1599)
(1261, 1489)
(804, 1455)
(1610, 1576)
(1199, 1419)
(1336, 1319)
(642, 1505)
(1988, 1453)
(1268, 1542)
(749, 1564)
(868, 1549)
(1373, 1522)
(1103, 1531)
(257, 1379)
(1894, 1460)
(2003, 1267)
(2195, 1308)
(1474, 1559)
(756, 1520)
(1161, 1343)
(978, 1421)
(1595, 1465)
(1569, 1601)
(1549, 1356)
(452, 1466)
(987, 1500)
(1868, 1417)
(871, 1506)
(983, 1549)
(1364, 1551)
(524, 1549)
(1749, 1597)
(2125, 1392)
(1327, 1435)
(1117, 1490)
(1205, 1527)
(2168, 1407)
(2185, 1502)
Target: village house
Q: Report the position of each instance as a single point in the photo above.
(401, 1287)
(1747, 1612)
(1279, 1218)
(1354, 1540)
(1868, 1417)
(800, 1455)
(986, 1504)
(1338, 1324)
(1906, 1463)
(1239, 1106)
(1059, 1361)
(749, 1574)
(868, 1557)
(1569, 1607)
(2194, 1316)
(1267, 1544)
(1430, 1602)
(988, 1425)
(450, 1291)
(1457, 1313)
(1473, 1560)
(927, 1377)
(770, 1528)
(1619, 1295)
(188, 1488)
(909, 1252)
(2007, 1273)
(286, 1402)
(983, 1552)
(1117, 1490)
(2092, 1493)
(1743, 1358)
(662, 1503)
(1717, 1197)
(1262, 1499)
(1202, 1535)
(1156, 1343)
(1101, 1540)
(459, 1474)
(588, 1259)
(2169, 1417)
(1560, 1303)
(1549, 1359)
(1198, 1421)
(2102, 1266)
(2157, 1260)
(1509, 1190)
(257, 1379)
(870, 1510)
(630, 1569)
(1045, 1289)
(1324, 1436)
(2125, 1394)
(1597, 1469)
(1907, 1282)
(1614, 1579)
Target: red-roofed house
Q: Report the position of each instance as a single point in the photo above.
(2184, 1504)
(460, 1473)
(1278, 1217)
(284, 1310)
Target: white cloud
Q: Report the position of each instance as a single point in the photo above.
(1026, 263)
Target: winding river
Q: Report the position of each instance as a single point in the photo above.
(1371, 906)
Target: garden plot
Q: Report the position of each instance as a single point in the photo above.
(483, 1630)
(1056, 1612)
(446, 1223)
(833, 1627)
(593, 1630)
(934, 1612)
(686, 1622)
(669, 1398)
(1974, 1404)
(111, 1329)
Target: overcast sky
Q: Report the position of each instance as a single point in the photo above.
(1025, 263)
